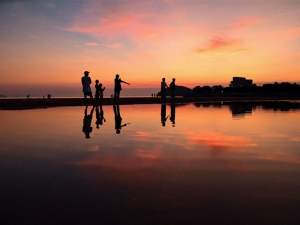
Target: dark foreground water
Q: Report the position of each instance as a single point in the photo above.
(171, 164)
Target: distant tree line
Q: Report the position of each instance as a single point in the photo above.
(283, 87)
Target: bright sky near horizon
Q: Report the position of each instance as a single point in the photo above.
(47, 45)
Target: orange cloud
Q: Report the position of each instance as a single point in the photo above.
(273, 135)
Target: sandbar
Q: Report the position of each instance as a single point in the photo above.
(16, 104)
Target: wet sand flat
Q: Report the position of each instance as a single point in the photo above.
(10, 104)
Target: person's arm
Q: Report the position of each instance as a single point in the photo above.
(124, 82)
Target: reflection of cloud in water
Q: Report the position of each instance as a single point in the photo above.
(119, 162)
(297, 139)
(93, 148)
(151, 154)
(217, 141)
(280, 157)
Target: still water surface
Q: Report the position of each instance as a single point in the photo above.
(170, 164)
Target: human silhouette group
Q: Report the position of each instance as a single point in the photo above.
(99, 89)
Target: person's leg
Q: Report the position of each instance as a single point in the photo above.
(163, 96)
(97, 99)
(117, 94)
(85, 100)
(91, 97)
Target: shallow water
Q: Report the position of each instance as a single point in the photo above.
(171, 164)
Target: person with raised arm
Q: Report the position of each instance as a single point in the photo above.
(118, 87)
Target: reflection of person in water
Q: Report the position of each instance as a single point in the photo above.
(172, 117)
(118, 119)
(87, 121)
(99, 116)
(163, 115)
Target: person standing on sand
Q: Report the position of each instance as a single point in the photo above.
(172, 86)
(163, 89)
(101, 93)
(118, 87)
(97, 92)
(86, 88)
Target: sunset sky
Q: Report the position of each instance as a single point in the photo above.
(45, 46)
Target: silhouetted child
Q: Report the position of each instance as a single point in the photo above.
(101, 90)
(97, 92)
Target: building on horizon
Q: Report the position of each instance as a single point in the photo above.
(240, 82)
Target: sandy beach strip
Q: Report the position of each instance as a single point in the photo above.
(15, 104)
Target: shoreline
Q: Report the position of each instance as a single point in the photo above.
(18, 104)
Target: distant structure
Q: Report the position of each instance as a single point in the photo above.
(240, 82)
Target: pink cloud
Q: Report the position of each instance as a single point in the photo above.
(50, 5)
(287, 34)
(92, 44)
(137, 27)
(135, 22)
(115, 46)
(216, 44)
(144, 55)
(246, 22)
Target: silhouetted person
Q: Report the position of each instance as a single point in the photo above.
(97, 92)
(87, 121)
(172, 117)
(118, 119)
(118, 87)
(101, 93)
(163, 88)
(172, 86)
(99, 116)
(86, 88)
(163, 115)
